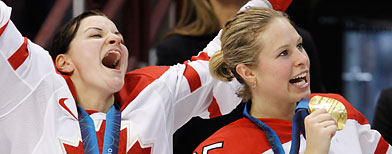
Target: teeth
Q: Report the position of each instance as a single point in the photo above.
(111, 59)
(114, 51)
(117, 58)
(300, 83)
(301, 76)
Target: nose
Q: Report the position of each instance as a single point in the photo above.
(113, 39)
(302, 58)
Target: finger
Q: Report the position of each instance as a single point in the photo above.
(327, 123)
(317, 112)
(331, 129)
(324, 117)
(321, 117)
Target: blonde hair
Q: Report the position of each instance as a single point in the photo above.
(240, 45)
(197, 19)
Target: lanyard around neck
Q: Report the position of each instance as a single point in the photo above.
(298, 126)
(112, 131)
(272, 137)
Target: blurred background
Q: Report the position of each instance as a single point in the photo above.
(353, 37)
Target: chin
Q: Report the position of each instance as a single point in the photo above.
(116, 85)
(305, 94)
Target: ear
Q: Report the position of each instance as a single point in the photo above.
(246, 73)
(64, 64)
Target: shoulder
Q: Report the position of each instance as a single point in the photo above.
(235, 129)
(137, 80)
(149, 73)
(143, 76)
(231, 139)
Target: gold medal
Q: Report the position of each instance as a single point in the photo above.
(333, 106)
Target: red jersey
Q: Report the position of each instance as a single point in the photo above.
(243, 136)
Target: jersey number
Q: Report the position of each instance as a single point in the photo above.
(207, 148)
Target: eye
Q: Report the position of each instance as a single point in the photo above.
(96, 35)
(283, 53)
(300, 46)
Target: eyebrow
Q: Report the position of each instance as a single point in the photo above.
(93, 28)
(99, 29)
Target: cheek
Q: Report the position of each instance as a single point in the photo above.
(86, 57)
(85, 61)
(280, 72)
(279, 65)
(125, 56)
(285, 70)
(85, 50)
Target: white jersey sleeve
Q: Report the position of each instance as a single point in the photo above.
(196, 92)
(28, 84)
(22, 63)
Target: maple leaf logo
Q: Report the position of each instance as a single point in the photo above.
(135, 149)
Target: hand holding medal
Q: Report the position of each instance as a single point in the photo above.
(334, 107)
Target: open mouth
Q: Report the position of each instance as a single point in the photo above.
(112, 59)
(299, 80)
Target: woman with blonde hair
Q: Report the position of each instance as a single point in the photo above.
(263, 51)
(199, 22)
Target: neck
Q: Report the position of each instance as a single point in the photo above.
(225, 9)
(90, 102)
(273, 109)
(91, 98)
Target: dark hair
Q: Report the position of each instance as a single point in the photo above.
(64, 36)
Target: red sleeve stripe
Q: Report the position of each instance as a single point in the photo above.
(190, 73)
(202, 56)
(214, 109)
(193, 77)
(136, 81)
(382, 146)
(19, 56)
(3, 28)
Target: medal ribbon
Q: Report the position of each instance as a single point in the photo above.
(272, 137)
(298, 126)
(112, 131)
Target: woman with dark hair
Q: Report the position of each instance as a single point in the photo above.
(85, 102)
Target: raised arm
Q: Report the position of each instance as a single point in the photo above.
(23, 64)
(196, 92)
